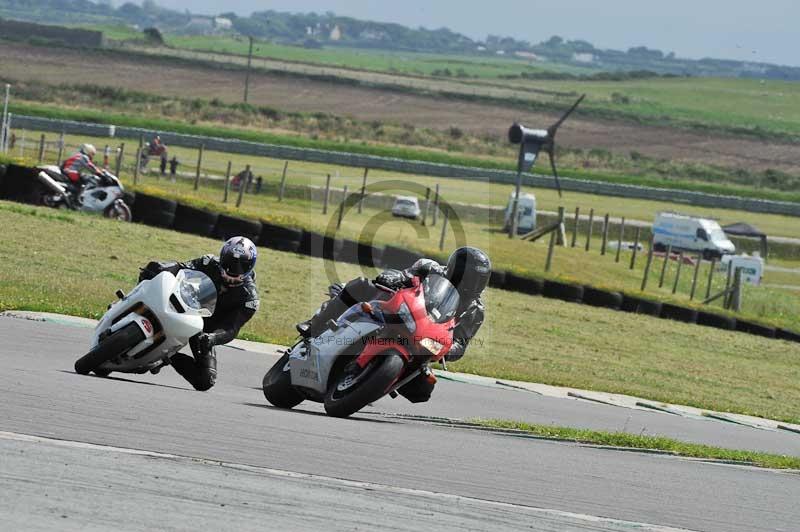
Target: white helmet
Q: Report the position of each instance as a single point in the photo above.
(88, 149)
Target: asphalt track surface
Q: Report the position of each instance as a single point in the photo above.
(147, 452)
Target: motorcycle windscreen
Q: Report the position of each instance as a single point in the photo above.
(197, 292)
(441, 298)
(356, 313)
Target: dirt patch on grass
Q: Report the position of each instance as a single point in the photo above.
(291, 93)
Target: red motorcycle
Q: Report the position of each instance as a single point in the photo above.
(372, 350)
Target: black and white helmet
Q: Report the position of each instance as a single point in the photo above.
(237, 259)
(469, 270)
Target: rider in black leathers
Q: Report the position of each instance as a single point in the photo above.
(237, 302)
(468, 269)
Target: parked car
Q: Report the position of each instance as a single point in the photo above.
(406, 207)
(526, 213)
(689, 233)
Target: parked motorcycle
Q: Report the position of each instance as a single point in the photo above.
(142, 330)
(104, 194)
(372, 350)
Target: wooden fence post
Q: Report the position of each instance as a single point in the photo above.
(341, 208)
(61, 150)
(197, 173)
(243, 185)
(664, 267)
(678, 273)
(550, 247)
(619, 242)
(605, 235)
(136, 166)
(282, 188)
(327, 194)
(589, 232)
(561, 236)
(727, 301)
(444, 229)
(736, 293)
(575, 228)
(141, 151)
(120, 155)
(41, 148)
(710, 277)
(363, 191)
(694, 277)
(427, 205)
(635, 247)
(435, 206)
(647, 266)
(227, 182)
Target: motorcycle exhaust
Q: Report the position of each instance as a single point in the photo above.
(51, 183)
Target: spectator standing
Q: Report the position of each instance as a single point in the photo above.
(259, 182)
(163, 165)
(173, 167)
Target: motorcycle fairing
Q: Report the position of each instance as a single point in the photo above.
(154, 295)
(310, 362)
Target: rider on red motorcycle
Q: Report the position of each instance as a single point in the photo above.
(468, 269)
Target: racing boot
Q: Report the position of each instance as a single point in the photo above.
(200, 371)
(205, 361)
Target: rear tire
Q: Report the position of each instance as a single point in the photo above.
(277, 386)
(118, 342)
(383, 372)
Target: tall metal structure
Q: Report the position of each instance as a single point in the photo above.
(531, 142)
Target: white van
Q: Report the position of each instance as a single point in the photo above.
(687, 233)
(526, 212)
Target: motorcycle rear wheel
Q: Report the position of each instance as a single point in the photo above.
(115, 344)
(277, 385)
(382, 372)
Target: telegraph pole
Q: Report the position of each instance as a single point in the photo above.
(4, 127)
(247, 76)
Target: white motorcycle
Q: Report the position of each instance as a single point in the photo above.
(141, 331)
(104, 194)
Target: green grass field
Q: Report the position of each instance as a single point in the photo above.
(754, 107)
(77, 261)
(388, 150)
(454, 190)
(413, 63)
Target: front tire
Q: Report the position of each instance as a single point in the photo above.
(372, 383)
(118, 211)
(111, 346)
(277, 385)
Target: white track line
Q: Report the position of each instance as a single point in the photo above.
(12, 436)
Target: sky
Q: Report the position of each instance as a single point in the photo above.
(764, 31)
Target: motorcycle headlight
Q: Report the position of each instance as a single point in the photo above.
(431, 345)
(408, 319)
(189, 295)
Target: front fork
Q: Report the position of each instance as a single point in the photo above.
(424, 370)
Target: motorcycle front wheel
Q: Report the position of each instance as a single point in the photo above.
(277, 385)
(118, 211)
(354, 388)
(111, 346)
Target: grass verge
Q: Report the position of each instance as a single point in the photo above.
(638, 441)
(382, 150)
(72, 263)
